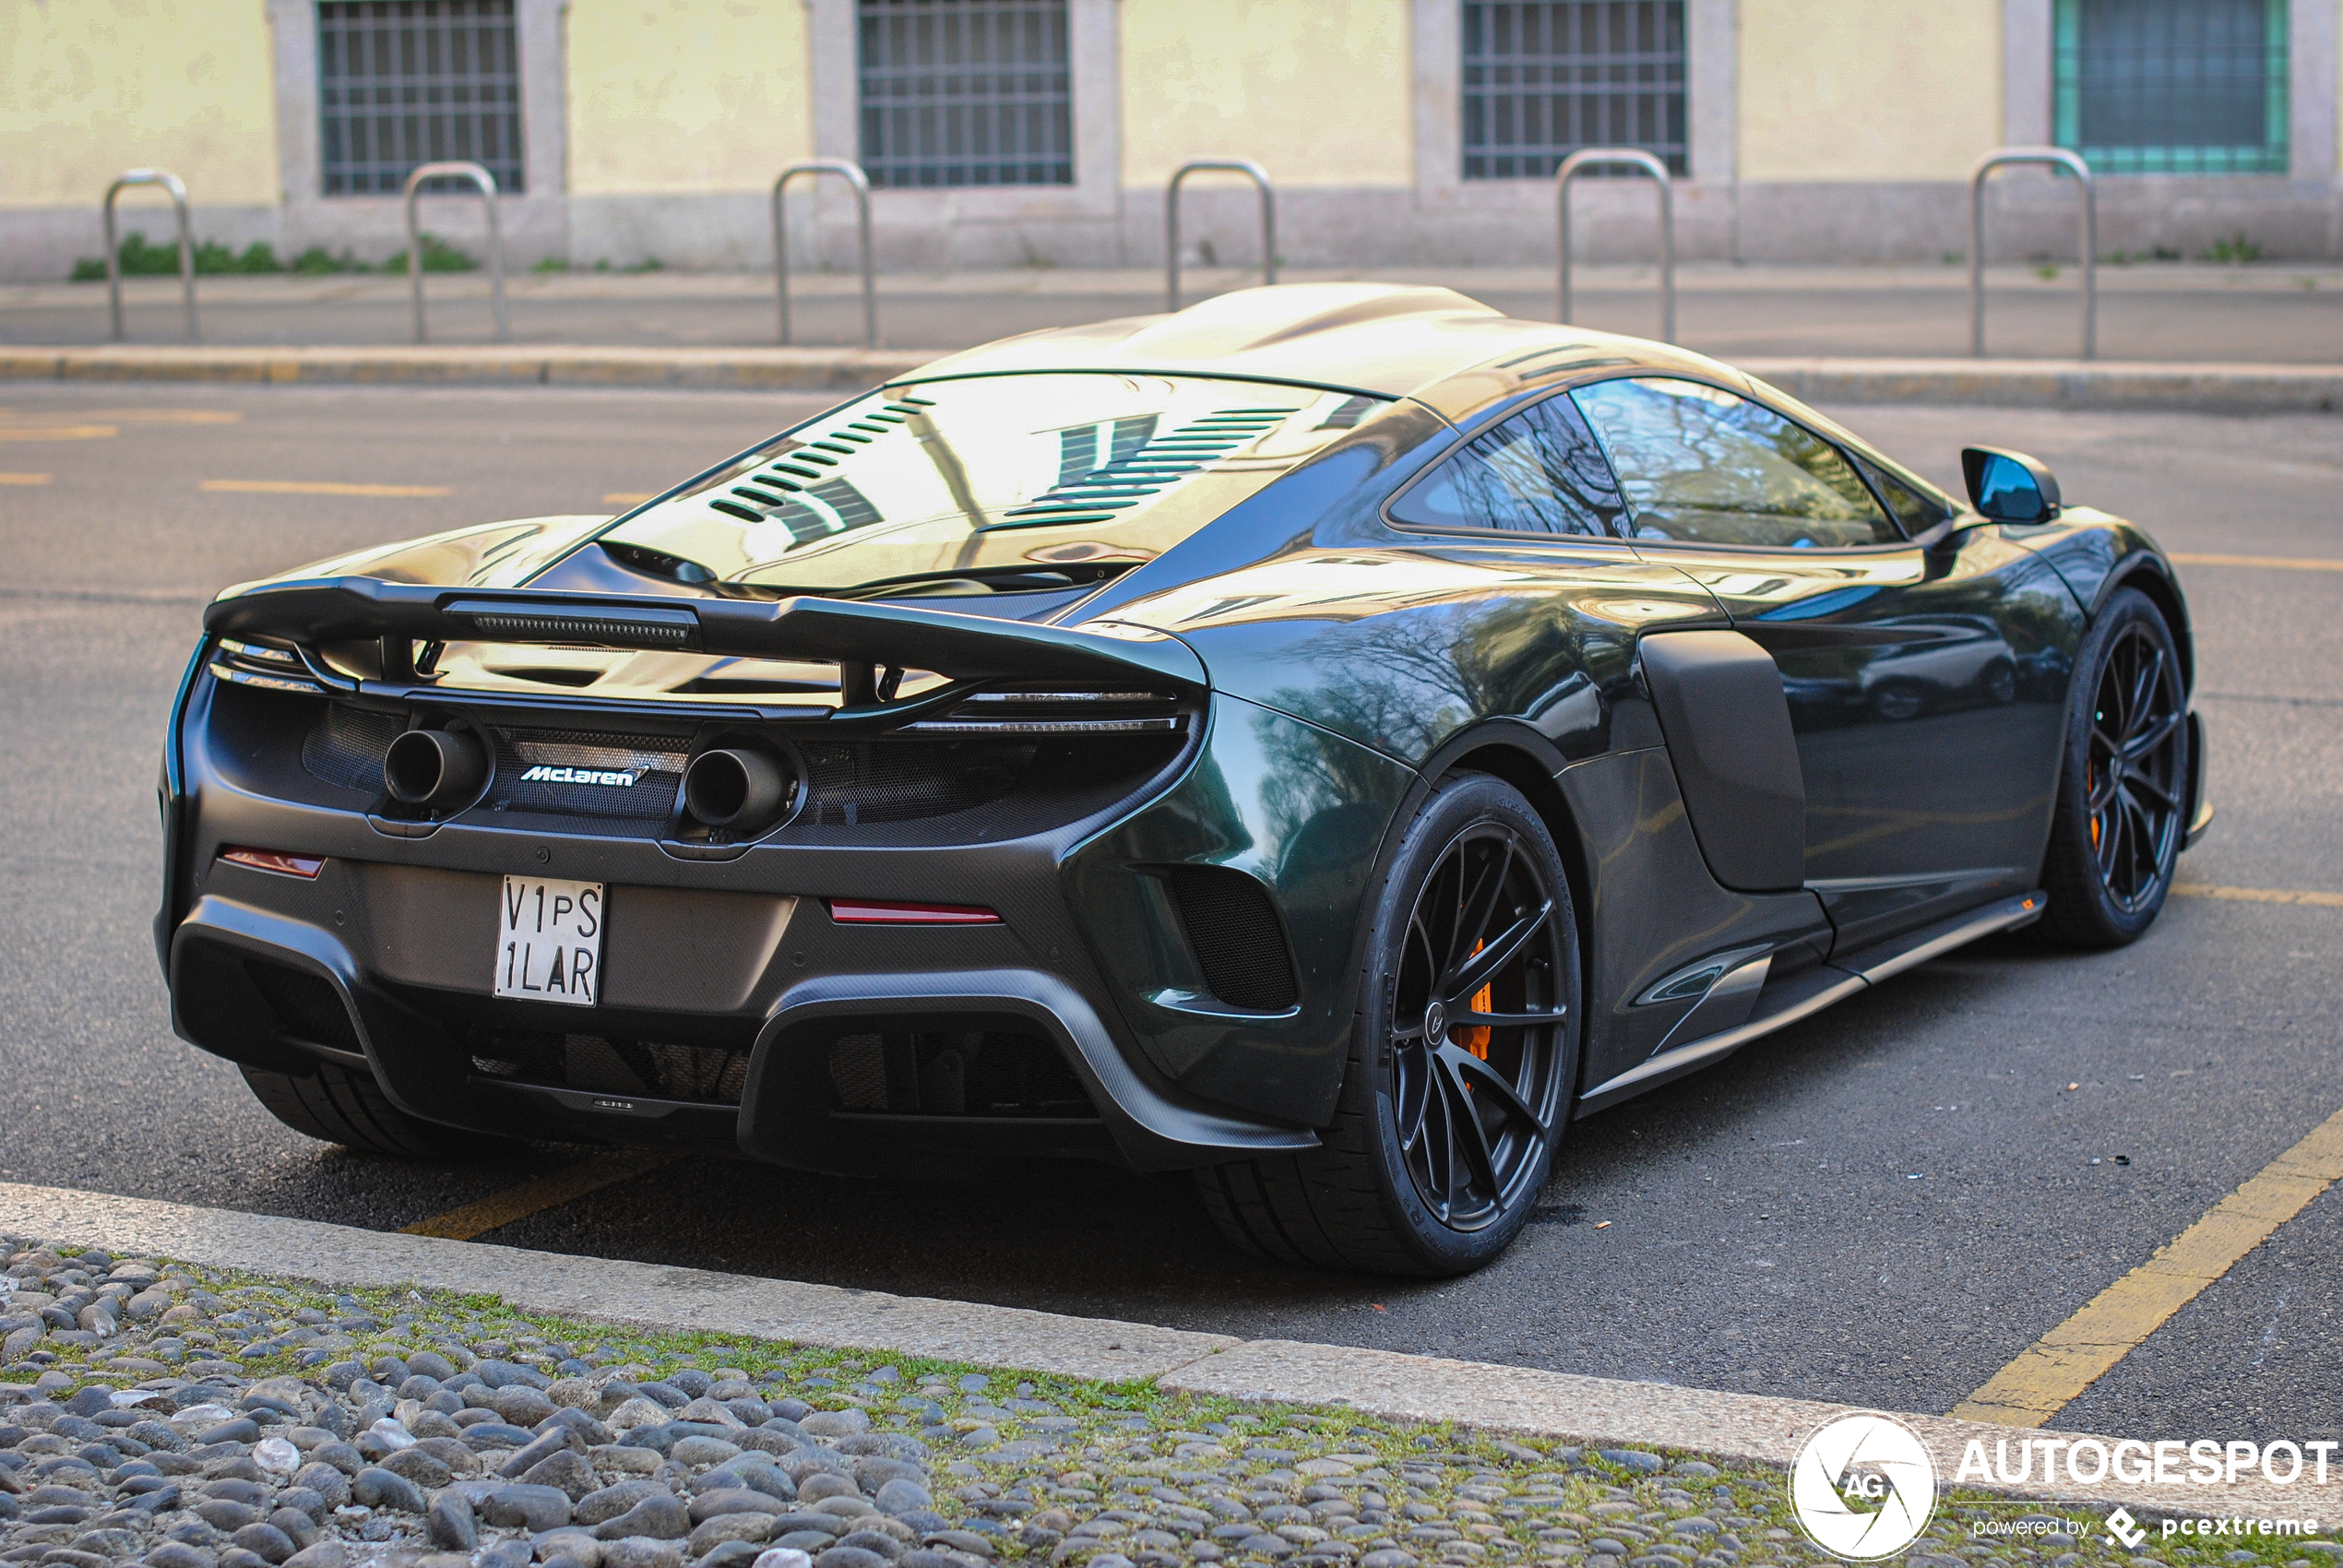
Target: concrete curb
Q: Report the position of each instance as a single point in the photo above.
(644, 1295)
(2030, 383)
(807, 370)
(1749, 1429)
(2061, 384)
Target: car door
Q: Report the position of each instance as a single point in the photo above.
(1926, 685)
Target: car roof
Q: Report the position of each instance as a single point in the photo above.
(1384, 339)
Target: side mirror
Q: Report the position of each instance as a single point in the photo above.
(2009, 487)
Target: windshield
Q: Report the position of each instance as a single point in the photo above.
(986, 477)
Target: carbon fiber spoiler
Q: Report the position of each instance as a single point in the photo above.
(311, 612)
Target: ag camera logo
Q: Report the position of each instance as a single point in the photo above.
(1863, 1487)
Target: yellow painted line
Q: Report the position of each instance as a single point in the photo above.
(2070, 1357)
(57, 432)
(319, 487)
(165, 416)
(536, 1195)
(627, 498)
(24, 479)
(2273, 562)
(133, 416)
(2257, 894)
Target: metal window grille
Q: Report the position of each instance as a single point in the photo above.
(966, 93)
(2173, 87)
(1544, 77)
(405, 82)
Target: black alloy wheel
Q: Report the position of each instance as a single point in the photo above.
(1473, 1020)
(2133, 779)
(2123, 798)
(1463, 1057)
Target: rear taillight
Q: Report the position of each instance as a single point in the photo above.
(859, 911)
(283, 864)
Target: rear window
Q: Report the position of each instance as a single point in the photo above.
(986, 475)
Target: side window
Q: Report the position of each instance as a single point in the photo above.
(1916, 509)
(1703, 465)
(1540, 471)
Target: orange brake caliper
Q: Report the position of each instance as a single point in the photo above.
(1475, 1037)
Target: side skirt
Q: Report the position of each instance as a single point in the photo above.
(1785, 1003)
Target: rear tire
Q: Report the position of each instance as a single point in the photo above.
(336, 1105)
(1446, 1131)
(2122, 793)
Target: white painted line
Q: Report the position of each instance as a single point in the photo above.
(1599, 1412)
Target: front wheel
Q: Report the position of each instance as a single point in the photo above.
(1463, 1058)
(2122, 793)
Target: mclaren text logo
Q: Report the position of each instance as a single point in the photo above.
(1863, 1486)
(541, 774)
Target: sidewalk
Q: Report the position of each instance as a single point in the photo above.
(2030, 383)
(2263, 314)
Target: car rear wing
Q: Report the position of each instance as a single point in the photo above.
(861, 639)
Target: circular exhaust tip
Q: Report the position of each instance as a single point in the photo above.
(433, 767)
(729, 788)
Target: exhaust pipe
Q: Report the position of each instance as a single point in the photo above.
(434, 768)
(742, 789)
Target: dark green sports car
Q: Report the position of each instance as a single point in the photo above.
(1325, 740)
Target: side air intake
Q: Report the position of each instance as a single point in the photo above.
(1235, 936)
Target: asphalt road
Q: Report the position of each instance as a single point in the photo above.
(1883, 1205)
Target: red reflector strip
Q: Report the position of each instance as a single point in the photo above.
(276, 861)
(857, 911)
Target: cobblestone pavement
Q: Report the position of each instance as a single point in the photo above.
(180, 1417)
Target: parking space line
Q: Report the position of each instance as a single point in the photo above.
(536, 1195)
(164, 416)
(320, 487)
(2257, 894)
(24, 479)
(58, 431)
(2273, 562)
(2056, 1368)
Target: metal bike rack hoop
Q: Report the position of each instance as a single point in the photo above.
(178, 192)
(486, 182)
(1595, 157)
(1251, 171)
(2057, 157)
(851, 172)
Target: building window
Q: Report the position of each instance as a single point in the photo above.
(2173, 87)
(1544, 77)
(403, 82)
(966, 93)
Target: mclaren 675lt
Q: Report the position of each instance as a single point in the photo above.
(1326, 741)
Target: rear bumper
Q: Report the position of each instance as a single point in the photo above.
(1114, 992)
(417, 1049)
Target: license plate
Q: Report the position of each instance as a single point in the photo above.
(549, 940)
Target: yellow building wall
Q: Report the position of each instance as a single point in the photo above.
(1318, 91)
(678, 96)
(1849, 90)
(90, 88)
